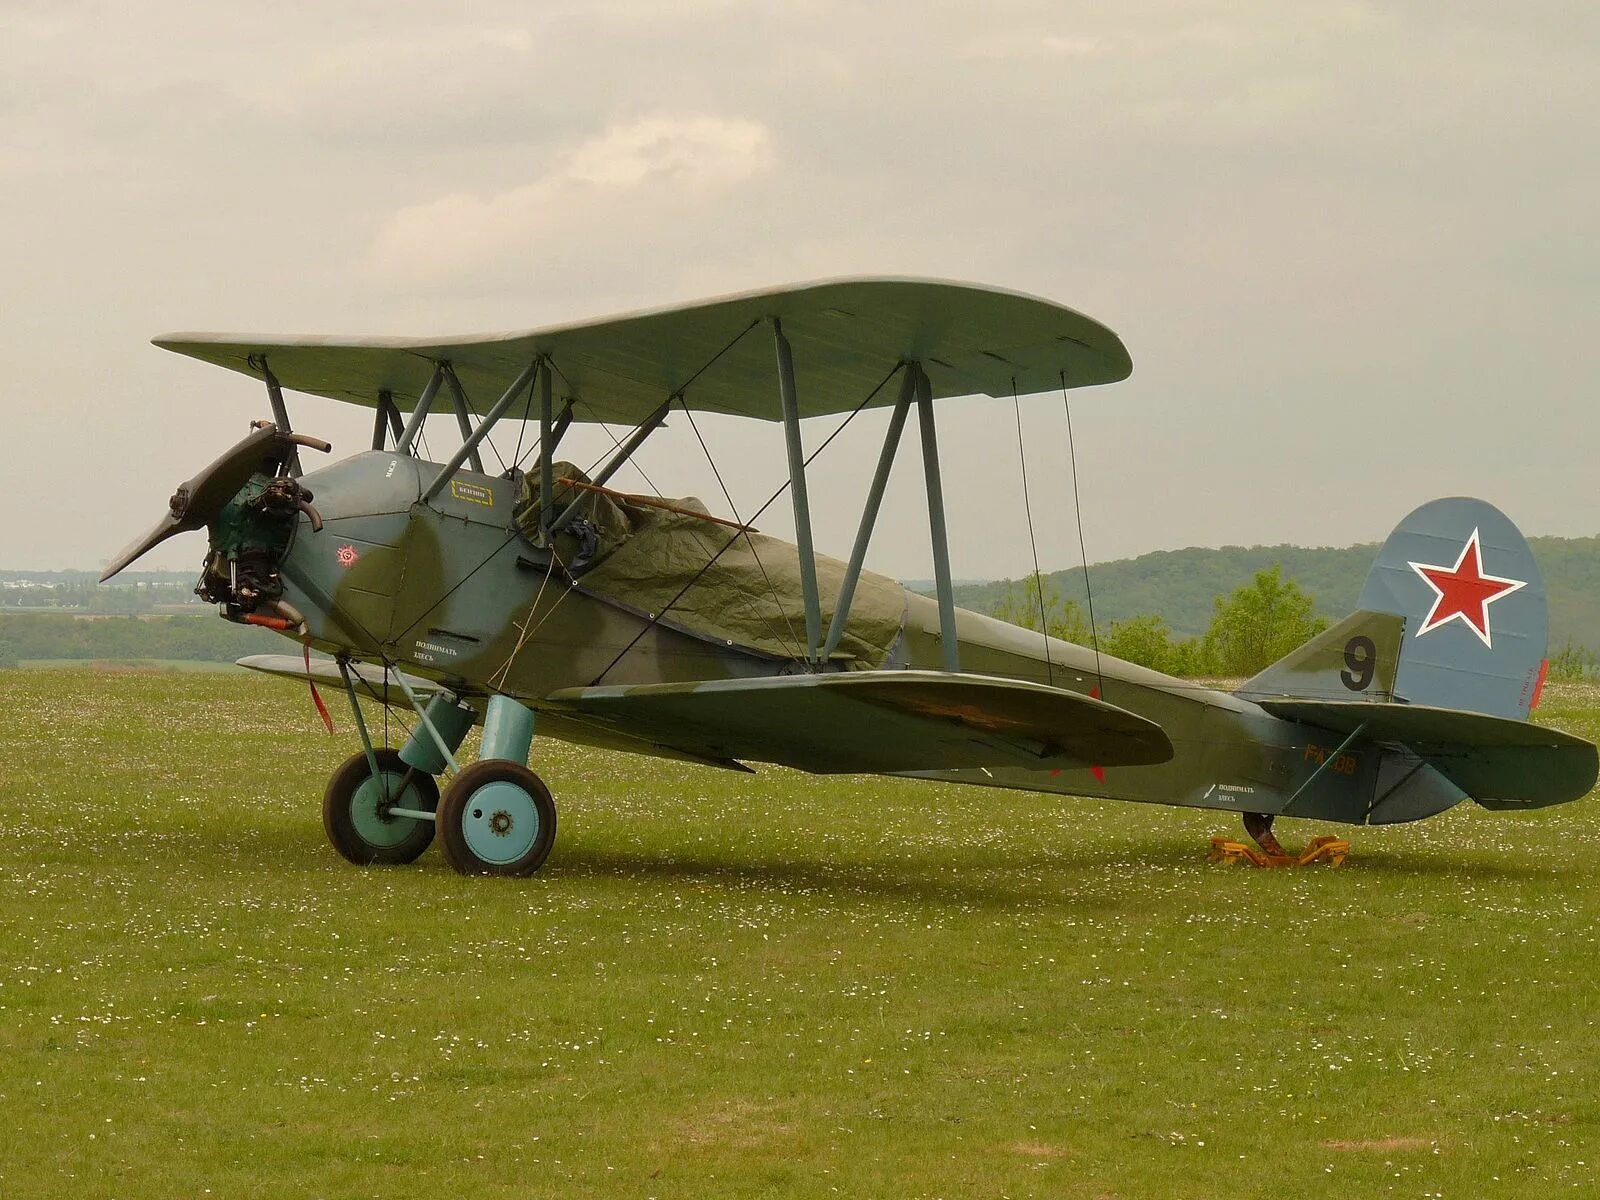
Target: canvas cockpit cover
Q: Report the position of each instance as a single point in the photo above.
(642, 557)
(611, 522)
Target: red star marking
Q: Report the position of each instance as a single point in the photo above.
(1463, 592)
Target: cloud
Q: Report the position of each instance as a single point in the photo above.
(1375, 211)
(646, 172)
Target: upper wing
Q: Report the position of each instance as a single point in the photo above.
(872, 721)
(847, 335)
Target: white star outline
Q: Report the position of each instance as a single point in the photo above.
(1473, 543)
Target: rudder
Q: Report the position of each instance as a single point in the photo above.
(1465, 581)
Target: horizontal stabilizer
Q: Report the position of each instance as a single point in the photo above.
(370, 680)
(1498, 761)
(864, 721)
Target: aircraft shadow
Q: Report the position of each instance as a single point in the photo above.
(1074, 876)
(1435, 865)
(1044, 882)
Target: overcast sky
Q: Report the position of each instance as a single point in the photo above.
(1350, 247)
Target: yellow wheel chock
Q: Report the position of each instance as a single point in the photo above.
(1227, 852)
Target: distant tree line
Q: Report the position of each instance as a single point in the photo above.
(1574, 663)
(85, 595)
(200, 637)
(1179, 585)
(1249, 630)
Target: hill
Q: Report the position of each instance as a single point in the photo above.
(1180, 585)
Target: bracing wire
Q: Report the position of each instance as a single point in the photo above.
(756, 516)
(749, 541)
(510, 537)
(488, 438)
(527, 628)
(514, 534)
(616, 444)
(1027, 508)
(1077, 508)
(516, 455)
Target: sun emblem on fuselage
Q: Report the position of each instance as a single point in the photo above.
(347, 556)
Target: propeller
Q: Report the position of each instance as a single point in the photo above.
(201, 500)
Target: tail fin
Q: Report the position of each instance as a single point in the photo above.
(1476, 622)
(1452, 616)
(1440, 667)
(1357, 659)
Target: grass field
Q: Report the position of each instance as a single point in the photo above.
(130, 664)
(758, 986)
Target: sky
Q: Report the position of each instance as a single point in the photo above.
(1350, 247)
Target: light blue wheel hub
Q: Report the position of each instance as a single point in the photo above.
(500, 823)
(367, 805)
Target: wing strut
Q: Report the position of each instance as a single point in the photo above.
(869, 512)
(797, 490)
(280, 413)
(463, 416)
(624, 452)
(420, 412)
(941, 542)
(386, 420)
(563, 423)
(913, 386)
(547, 446)
(489, 420)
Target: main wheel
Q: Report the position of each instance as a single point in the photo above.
(355, 810)
(497, 818)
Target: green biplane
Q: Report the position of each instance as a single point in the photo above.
(548, 599)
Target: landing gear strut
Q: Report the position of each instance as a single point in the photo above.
(1330, 850)
(388, 819)
(496, 817)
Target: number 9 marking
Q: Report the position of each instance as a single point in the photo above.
(1361, 663)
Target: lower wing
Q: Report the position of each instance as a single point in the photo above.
(872, 721)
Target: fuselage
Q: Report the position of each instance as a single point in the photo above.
(452, 591)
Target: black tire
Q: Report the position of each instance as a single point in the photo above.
(475, 822)
(403, 838)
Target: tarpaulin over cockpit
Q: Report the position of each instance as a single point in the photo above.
(749, 596)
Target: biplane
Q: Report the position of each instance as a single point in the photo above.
(544, 599)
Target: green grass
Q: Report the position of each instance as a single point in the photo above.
(131, 664)
(758, 986)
